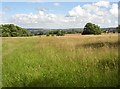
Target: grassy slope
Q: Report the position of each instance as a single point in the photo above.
(61, 61)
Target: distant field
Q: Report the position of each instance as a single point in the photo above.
(71, 61)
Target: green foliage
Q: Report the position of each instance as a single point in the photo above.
(52, 34)
(47, 34)
(107, 63)
(118, 29)
(113, 31)
(39, 33)
(11, 30)
(60, 33)
(56, 32)
(91, 29)
(73, 31)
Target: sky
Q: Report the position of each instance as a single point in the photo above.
(55, 0)
(59, 14)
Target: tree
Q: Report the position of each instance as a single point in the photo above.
(118, 29)
(13, 30)
(47, 34)
(57, 33)
(91, 29)
(60, 33)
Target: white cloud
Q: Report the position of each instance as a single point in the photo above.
(91, 7)
(40, 17)
(56, 4)
(103, 14)
(103, 3)
(1, 14)
(77, 11)
(114, 10)
(41, 13)
(99, 13)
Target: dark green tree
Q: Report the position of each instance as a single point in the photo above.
(60, 33)
(13, 31)
(91, 29)
(118, 29)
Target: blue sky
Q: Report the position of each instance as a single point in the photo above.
(58, 14)
(56, 0)
(27, 7)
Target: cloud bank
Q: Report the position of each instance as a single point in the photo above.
(102, 13)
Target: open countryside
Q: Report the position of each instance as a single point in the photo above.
(61, 61)
(60, 50)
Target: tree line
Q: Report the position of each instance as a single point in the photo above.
(11, 30)
(57, 32)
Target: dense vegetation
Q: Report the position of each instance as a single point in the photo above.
(56, 32)
(11, 30)
(67, 61)
(118, 28)
(91, 28)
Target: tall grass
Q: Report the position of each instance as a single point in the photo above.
(69, 61)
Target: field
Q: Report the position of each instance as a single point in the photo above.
(67, 61)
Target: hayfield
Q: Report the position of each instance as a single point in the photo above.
(67, 61)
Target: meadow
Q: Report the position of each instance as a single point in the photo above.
(64, 61)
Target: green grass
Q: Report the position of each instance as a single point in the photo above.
(69, 61)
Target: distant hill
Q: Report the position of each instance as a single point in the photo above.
(111, 29)
(69, 30)
(41, 31)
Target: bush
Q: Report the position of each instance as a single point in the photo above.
(91, 29)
